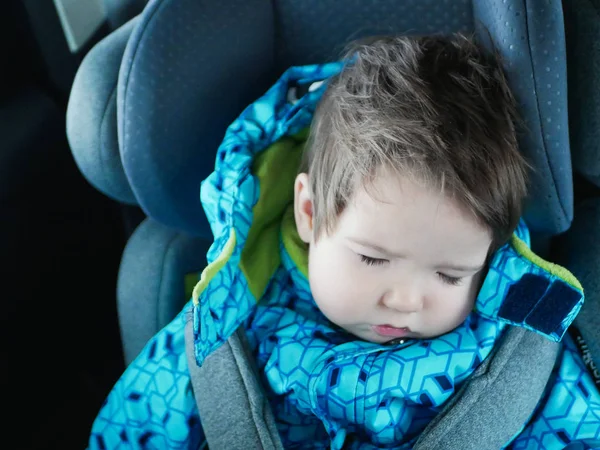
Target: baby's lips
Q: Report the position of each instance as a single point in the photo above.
(391, 331)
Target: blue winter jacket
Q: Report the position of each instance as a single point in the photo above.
(326, 388)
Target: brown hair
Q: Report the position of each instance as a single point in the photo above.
(436, 108)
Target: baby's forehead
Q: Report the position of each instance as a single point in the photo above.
(388, 187)
(392, 204)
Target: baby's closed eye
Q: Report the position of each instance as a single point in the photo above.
(453, 281)
(372, 261)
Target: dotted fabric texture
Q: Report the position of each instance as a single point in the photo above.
(315, 31)
(92, 117)
(191, 67)
(530, 37)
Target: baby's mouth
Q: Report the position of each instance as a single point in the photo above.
(391, 331)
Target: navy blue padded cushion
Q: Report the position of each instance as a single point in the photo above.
(313, 31)
(530, 36)
(92, 117)
(191, 67)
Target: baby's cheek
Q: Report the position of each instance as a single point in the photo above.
(338, 298)
(447, 309)
(330, 293)
(462, 306)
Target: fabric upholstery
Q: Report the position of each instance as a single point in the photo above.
(188, 69)
(530, 37)
(486, 407)
(92, 117)
(315, 31)
(151, 287)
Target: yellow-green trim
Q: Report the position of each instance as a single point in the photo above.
(275, 169)
(556, 270)
(214, 267)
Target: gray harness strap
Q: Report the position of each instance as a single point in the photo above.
(498, 399)
(485, 413)
(234, 411)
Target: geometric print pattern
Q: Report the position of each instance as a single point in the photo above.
(152, 405)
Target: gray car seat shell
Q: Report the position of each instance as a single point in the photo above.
(177, 93)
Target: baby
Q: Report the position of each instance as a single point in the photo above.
(415, 180)
(375, 280)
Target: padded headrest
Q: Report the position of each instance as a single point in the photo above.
(191, 67)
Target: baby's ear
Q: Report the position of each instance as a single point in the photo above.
(303, 208)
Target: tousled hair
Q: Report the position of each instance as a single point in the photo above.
(434, 108)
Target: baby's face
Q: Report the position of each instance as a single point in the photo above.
(403, 261)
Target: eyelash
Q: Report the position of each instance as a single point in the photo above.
(372, 261)
(452, 281)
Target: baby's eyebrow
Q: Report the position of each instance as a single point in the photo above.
(375, 247)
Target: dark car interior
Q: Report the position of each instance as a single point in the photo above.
(61, 240)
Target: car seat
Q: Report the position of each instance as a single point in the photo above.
(151, 102)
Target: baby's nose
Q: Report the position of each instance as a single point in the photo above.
(404, 299)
